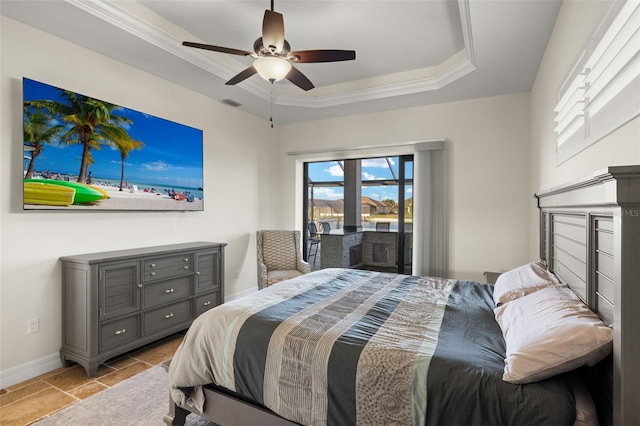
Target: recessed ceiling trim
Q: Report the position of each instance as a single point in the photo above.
(467, 34)
(418, 86)
(150, 33)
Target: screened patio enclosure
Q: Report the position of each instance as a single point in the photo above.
(363, 195)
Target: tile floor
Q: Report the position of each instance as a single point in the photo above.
(27, 402)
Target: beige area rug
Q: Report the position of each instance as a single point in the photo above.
(142, 400)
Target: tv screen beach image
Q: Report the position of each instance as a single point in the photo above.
(82, 153)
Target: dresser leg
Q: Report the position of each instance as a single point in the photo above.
(92, 369)
(65, 361)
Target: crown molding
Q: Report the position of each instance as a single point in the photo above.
(138, 27)
(407, 88)
(134, 25)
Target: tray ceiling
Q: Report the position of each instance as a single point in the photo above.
(408, 53)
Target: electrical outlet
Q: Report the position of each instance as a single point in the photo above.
(33, 325)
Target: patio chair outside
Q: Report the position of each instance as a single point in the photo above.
(326, 227)
(314, 242)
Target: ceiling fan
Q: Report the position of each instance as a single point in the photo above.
(273, 55)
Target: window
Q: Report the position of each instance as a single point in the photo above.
(600, 93)
(379, 191)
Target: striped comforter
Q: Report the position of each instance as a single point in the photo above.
(347, 347)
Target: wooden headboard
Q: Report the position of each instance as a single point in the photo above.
(590, 238)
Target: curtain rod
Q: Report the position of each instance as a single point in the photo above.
(438, 144)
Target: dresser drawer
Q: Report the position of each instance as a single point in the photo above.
(207, 301)
(167, 316)
(119, 332)
(167, 291)
(166, 267)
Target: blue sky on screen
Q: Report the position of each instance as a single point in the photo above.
(372, 169)
(171, 155)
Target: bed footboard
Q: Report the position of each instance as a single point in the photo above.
(225, 409)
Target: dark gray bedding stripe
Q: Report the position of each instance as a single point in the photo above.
(343, 361)
(255, 333)
(465, 385)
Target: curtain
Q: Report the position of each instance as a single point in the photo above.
(430, 210)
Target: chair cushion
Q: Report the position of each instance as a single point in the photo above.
(279, 250)
(277, 276)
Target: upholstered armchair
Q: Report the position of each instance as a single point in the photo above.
(279, 257)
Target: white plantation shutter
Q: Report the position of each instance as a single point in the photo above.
(570, 111)
(602, 93)
(613, 77)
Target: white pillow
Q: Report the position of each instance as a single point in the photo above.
(521, 281)
(550, 332)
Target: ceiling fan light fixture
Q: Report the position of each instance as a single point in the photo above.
(272, 68)
(274, 56)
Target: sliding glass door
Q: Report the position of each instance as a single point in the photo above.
(384, 201)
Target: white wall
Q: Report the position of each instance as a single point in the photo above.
(574, 24)
(487, 143)
(239, 158)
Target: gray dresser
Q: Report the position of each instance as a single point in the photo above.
(117, 301)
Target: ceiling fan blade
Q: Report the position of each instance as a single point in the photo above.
(307, 56)
(299, 79)
(273, 30)
(242, 76)
(216, 48)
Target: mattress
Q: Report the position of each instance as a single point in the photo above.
(345, 347)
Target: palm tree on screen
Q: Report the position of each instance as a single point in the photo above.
(125, 146)
(88, 122)
(40, 129)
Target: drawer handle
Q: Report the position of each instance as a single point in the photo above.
(198, 273)
(186, 259)
(168, 316)
(185, 268)
(153, 274)
(169, 290)
(153, 265)
(118, 332)
(207, 303)
(140, 285)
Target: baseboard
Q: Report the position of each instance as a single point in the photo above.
(29, 370)
(43, 365)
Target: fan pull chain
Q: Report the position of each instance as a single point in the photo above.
(271, 112)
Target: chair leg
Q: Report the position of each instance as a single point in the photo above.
(315, 253)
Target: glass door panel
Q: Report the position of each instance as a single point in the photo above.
(386, 205)
(405, 213)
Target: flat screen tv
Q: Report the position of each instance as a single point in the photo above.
(82, 153)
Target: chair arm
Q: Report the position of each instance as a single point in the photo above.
(262, 275)
(303, 266)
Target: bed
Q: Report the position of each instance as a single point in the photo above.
(250, 361)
